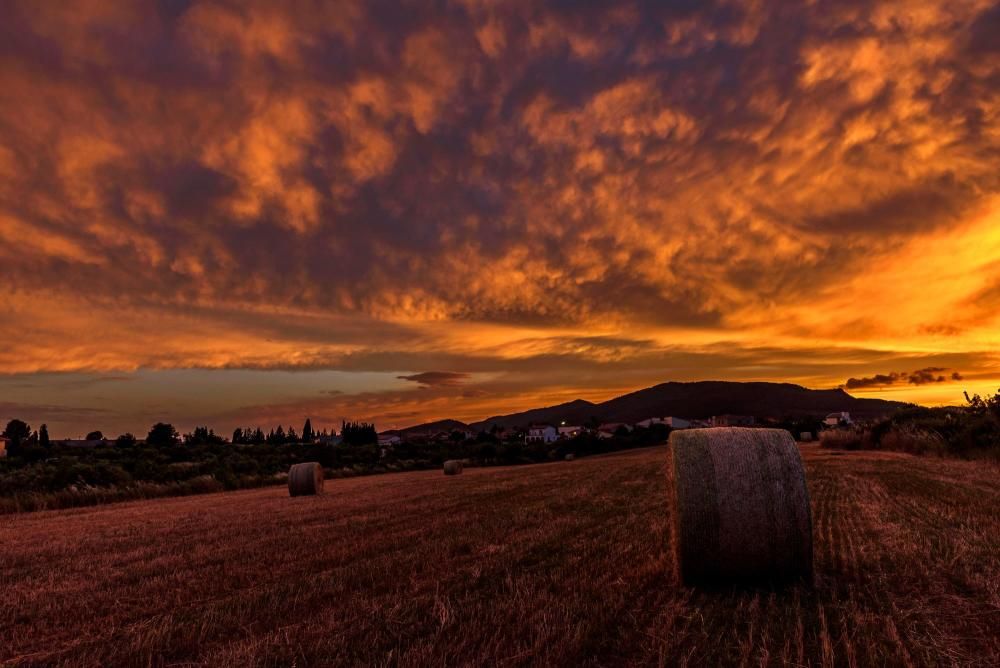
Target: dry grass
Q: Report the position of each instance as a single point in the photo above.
(534, 565)
(845, 439)
(915, 441)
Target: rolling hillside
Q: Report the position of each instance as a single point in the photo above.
(702, 400)
(429, 427)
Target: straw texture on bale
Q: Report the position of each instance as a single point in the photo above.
(740, 506)
(453, 467)
(305, 479)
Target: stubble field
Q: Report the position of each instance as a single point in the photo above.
(555, 564)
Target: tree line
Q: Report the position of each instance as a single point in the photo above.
(21, 436)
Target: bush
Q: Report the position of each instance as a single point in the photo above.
(845, 439)
(969, 432)
(913, 439)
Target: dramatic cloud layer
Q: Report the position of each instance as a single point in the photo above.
(536, 200)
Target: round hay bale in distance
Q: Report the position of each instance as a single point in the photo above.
(806, 437)
(570, 457)
(453, 467)
(740, 506)
(305, 479)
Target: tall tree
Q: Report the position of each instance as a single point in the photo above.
(43, 435)
(989, 405)
(18, 432)
(276, 436)
(162, 434)
(307, 432)
(358, 433)
(202, 436)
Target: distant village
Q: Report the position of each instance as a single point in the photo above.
(550, 433)
(532, 433)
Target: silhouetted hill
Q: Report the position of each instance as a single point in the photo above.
(702, 400)
(573, 412)
(430, 427)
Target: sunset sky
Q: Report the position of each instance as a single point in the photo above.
(234, 212)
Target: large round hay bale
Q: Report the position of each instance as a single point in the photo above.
(740, 506)
(305, 479)
(453, 467)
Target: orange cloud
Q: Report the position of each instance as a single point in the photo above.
(368, 187)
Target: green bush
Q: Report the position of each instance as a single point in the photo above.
(972, 431)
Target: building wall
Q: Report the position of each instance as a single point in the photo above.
(546, 435)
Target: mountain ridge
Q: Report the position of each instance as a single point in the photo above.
(696, 400)
(433, 426)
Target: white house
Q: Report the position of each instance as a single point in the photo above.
(672, 422)
(543, 433)
(836, 419)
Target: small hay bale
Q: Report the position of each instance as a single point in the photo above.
(806, 437)
(453, 467)
(570, 457)
(305, 479)
(740, 506)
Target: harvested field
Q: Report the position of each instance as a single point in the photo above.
(551, 564)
